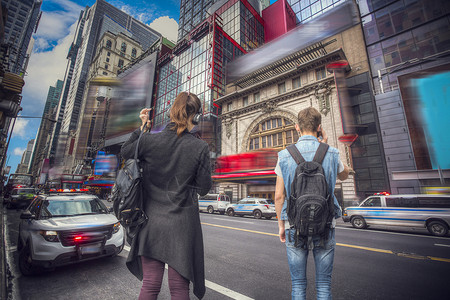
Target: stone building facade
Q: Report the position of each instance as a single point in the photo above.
(261, 113)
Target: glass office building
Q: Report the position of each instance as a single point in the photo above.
(308, 9)
(197, 63)
(408, 42)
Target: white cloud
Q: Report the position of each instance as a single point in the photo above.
(167, 26)
(55, 25)
(20, 128)
(18, 151)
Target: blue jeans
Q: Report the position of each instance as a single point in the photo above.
(323, 258)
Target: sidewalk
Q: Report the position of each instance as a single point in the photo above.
(4, 270)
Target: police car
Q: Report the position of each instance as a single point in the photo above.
(257, 207)
(64, 228)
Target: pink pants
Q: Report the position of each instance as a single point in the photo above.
(153, 275)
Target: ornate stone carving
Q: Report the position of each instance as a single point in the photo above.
(322, 94)
(269, 107)
(228, 126)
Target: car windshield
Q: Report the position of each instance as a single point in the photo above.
(22, 191)
(68, 208)
(266, 201)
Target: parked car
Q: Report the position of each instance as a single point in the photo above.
(20, 197)
(65, 228)
(426, 211)
(257, 207)
(213, 202)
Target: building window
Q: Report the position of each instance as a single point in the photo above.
(120, 63)
(256, 97)
(105, 73)
(106, 66)
(108, 44)
(107, 59)
(245, 101)
(109, 53)
(123, 48)
(229, 106)
(273, 133)
(320, 73)
(133, 52)
(296, 83)
(281, 88)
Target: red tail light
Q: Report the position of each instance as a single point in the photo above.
(78, 238)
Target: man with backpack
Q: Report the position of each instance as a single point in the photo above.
(305, 203)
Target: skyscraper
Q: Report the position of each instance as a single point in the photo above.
(21, 22)
(26, 157)
(41, 146)
(96, 20)
(306, 10)
(55, 140)
(197, 63)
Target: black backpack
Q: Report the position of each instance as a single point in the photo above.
(127, 197)
(310, 207)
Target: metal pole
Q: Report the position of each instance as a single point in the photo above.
(380, 81)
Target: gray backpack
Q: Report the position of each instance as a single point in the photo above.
(310, 207)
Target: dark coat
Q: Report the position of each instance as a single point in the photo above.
(175, 170)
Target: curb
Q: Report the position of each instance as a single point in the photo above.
(3, 263)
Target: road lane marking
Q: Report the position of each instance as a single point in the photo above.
(442, 245)
(400, 254)
(214, 286)
(224, 291)
(235, 221)
(240, 229)
(439, 259)
(365, 248)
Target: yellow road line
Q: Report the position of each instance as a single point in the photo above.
(240, 229)
(365, 248)
(407, 255)
(439, 259)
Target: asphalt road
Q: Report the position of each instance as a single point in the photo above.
(245, 260)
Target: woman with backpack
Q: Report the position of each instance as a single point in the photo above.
(176, 167)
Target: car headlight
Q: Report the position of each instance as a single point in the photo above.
(116, 227)
(50, 235)
(345, 212)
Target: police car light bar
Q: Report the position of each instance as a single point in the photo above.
(68, 190)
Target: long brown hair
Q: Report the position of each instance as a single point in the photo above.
(185, 106)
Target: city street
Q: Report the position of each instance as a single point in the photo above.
(245, 260)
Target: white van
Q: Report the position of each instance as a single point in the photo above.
(425, 211)
(213, 202)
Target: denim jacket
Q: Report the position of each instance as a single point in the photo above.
(307, 145)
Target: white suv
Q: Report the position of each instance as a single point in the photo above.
(257, 207)
(61, 229)
(213, 202)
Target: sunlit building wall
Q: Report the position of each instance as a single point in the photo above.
(114, 52)
(407, 40)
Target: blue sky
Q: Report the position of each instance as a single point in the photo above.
(48, 61)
